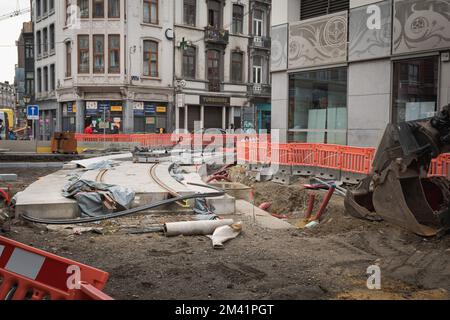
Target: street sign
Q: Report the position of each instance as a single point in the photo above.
(33, 112)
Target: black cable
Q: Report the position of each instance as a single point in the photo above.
(128, 212)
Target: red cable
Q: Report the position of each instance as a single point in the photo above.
(5, 196)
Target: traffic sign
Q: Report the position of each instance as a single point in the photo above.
(33, 112)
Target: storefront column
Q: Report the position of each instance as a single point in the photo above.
(202, 116)
(79, 118)
(231, 119)
(224, 118)
(177, 117)
(59, 117)
(186, 111)
(128, 116)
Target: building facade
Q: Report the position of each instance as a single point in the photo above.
(7, 96)
(342, 70)
(217, 48)
(103, 62)
(24, 78)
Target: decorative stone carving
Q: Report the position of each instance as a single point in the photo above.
(279, 47)
(318, 41)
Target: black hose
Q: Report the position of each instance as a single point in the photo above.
(129, 211)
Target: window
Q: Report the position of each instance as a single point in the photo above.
(213, 57)
(38, 8)
(189, 62)
(98, 10)
(45, 40)
(315, 8)
(51, 5)
(258, 23)
(83, 54)
(68, 59)
(29, 48)
(39, 43)
(39, 80)
(415, 89)
(114, 53)
(189, 12)
(150, 58)
(238, 18)
(83, 6)
(30, 87)
(257, 69)
(151, 11)
(52, 37)
(52, 78)
(99, 53)
(113, 8)
(45, 79)
(215, 13)
(44, 7)
(318, 106)
(237, 66)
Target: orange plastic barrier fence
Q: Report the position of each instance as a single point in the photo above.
(328, 156)
(27, 273)
(281, 154)
(357, 160)
(440, 166)
(303, 154)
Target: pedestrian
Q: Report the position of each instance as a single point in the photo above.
(89, 129)
(115, 129)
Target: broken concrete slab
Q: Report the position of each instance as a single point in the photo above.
(8, 177)
(263, 218)
(88, 162)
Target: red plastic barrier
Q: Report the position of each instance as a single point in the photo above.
(29, 273)
(281, 154)
(303, 154)
(356, 160)
(328, 156)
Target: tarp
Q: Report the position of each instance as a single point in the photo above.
(90, 201)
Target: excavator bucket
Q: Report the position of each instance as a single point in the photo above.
(399, 189)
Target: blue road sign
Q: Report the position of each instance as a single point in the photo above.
(33, 112)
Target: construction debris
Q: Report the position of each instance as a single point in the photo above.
(194, 228)
(224, 234)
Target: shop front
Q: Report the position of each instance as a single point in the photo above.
(105, 116)
(150, 117)
(318, 106)
(264, 115)
(69, 112)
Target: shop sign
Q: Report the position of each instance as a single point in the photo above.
(116, 108)
(103, 107)
(150, 109)
(180, 100)
(161, 109)
(91, 105)
(215, 101)
(74, 108)
(150, 120)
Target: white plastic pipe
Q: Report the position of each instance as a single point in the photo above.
(194, 228)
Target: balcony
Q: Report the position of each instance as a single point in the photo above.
(264, 43)
(216, 36)
(214, 86)
(259, 90)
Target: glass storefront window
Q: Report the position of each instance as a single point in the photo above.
(318, 106)
(415, 89)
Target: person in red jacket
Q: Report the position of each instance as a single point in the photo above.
(89, 129)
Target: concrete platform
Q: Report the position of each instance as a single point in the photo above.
(44, 199)
(263, 218)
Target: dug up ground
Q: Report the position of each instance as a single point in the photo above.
(327, 262)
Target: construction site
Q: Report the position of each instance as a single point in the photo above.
(228, 217)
